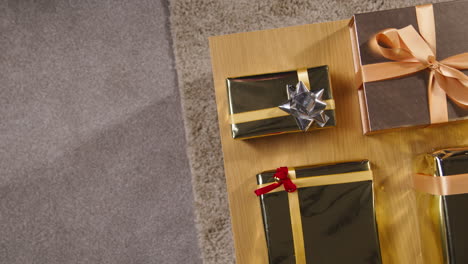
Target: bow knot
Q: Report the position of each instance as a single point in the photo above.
(281, 174)
(433, 64)
(281, 178)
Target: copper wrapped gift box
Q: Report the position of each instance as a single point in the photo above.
(254, 102)
(442, 194)
(411, 64)
(320, 214)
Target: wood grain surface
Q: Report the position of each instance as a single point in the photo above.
(391, 154)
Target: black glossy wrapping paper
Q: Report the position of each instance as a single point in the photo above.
(250, 93)
(455, 207)
(338, 220)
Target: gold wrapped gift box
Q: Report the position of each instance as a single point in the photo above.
(441, 183)
(330, 218)
(254, 100)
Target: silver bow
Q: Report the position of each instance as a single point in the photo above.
(305, 106)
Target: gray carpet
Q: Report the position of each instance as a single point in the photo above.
(93, 167)
(192, 22)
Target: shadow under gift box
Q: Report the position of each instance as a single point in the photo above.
(403, 101)
(249, 94)
(338, 219)
(443, 219)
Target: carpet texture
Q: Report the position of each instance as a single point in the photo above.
(192, 22)
(93, 167)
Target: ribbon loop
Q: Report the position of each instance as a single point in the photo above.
(390, 45)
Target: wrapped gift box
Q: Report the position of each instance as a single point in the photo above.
(400, 84)
(330, 218)
(442, 195)
(254, 100)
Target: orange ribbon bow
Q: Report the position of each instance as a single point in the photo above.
(411, 52)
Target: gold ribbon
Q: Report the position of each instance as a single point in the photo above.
(444, 185)
(412, 52)
(273, 112)
(303, 75)
(294, 206)
(296, 221)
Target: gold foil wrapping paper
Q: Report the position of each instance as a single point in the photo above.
(443, 218)
(254, 100)
(330, 218)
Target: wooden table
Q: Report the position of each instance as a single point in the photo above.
(391, 154)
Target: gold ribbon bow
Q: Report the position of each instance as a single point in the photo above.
(412, 52)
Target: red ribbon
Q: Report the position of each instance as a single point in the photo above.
(281, 177)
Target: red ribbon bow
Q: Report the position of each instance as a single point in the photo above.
(281, 177)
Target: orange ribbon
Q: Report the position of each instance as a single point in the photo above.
(411, 52)
(444, 185)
